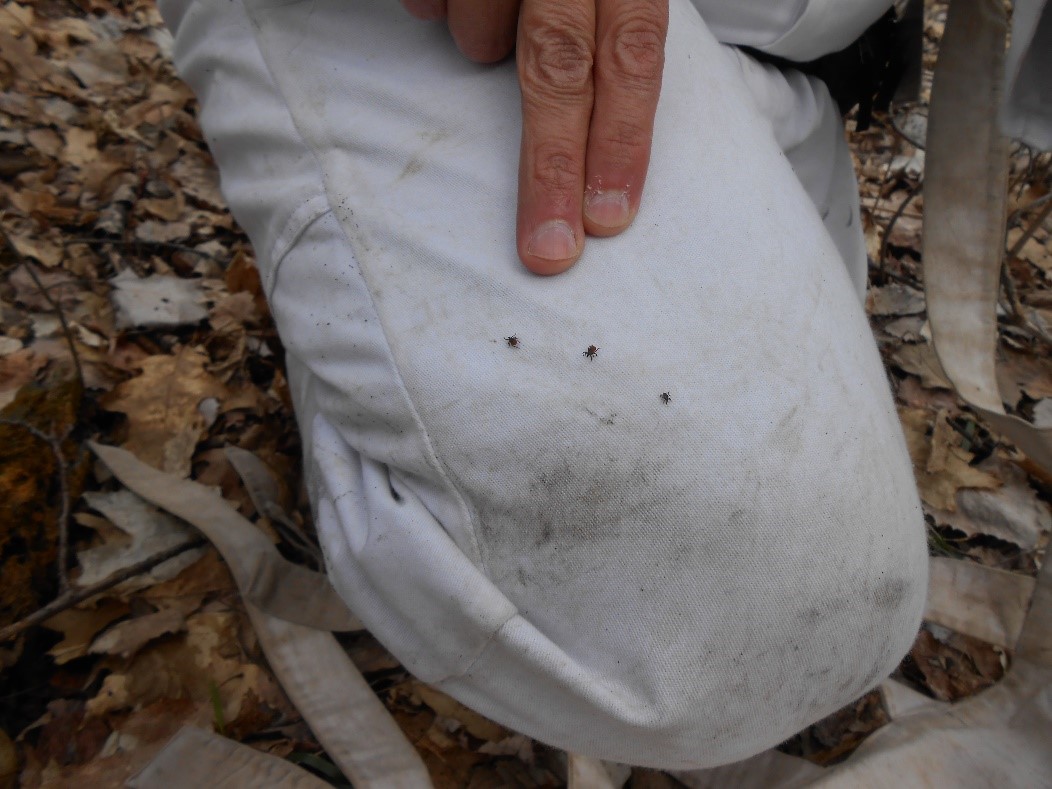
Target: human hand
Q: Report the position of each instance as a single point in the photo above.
(590, 74)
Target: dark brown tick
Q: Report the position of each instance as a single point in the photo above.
(513, 341)
(666, 398)
(592, 352)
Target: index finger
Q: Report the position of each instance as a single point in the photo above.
(556, 43)
(629, 59)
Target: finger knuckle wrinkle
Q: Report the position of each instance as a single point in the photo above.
(638, 50)
(624, 141)
(557, 171)
(557, 60)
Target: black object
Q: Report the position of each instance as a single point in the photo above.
(868, 73)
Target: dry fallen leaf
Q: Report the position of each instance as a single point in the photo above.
(199, 180)
(46, 140)
(81, 146)
(943, 468)
(162, 408)
(193, 666)
(8, 345)
(447, 707)
(79, 626)
(31, 243)
(895, 299)
(1013, 513)
(59, 285)
(919, 359)
(127, 638)
(956, 666)
(208, 576)
(16, 19)
(117, 754)
(97, 65)
(907, 329)
(1032, 374)
(162, 232)
(16, 370)
(149, 531)
(234, 312)
(8, 762)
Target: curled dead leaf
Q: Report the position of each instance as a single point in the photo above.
(919, 359)
(162, 232)
(149, 532)
(940, 464)
(447, 707)
(161, 404)
(127, 638)
(954, 666)
(79, 626)
(190, 666)
(894, 299)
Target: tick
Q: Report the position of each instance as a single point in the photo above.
(592, 352)
(666, 398)
(513, 341)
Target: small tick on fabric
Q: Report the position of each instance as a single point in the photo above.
(513, 341)
(666, 398)
(592, 352)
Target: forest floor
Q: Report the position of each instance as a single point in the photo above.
(132, 315)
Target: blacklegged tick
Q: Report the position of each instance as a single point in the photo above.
(512, 341)
(666, 398)
(592, 352)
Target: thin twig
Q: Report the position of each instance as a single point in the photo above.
(1016, 309)
(292, 533)
(901, 133)
(1015, 303)
(895, 218)
(1024, 175)
(142, 243)
(881, 210)
(894, 275)
(1038, 221)
(56, 306)
(63, 482)
(1028, 207)
(880, 192)
(73, 597)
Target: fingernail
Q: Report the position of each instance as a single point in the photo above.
(607, 208)
(553, 240)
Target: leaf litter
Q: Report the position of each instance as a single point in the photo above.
(109, 196)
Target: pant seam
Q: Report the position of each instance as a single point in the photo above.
(432, 455)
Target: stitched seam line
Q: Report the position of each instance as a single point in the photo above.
(482, 650)
(295, 226)
(432, 456)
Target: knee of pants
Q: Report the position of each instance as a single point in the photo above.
(541, 534)
(671, 610)
(674, 551)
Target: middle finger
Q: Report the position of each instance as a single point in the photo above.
(555, 48)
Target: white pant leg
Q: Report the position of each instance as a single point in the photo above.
(537, 533)
(808, 128)
(799, 30)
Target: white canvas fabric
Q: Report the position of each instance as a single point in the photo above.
(1028, 109)
(537, 533)
(799, 30)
